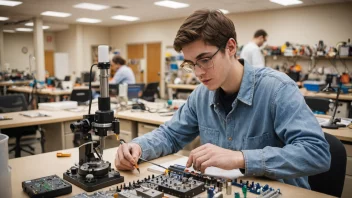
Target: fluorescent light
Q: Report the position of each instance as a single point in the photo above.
(4, 18)
(171, 4)
(9, 31)
(56, 14)
(125, 18)
(45, 27)
(287, 2)
(224, 11)
(91, 6)
(29, 24)
(88, 20)
(24, 29)
(10, 3)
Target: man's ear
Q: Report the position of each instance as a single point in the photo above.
(232, 46)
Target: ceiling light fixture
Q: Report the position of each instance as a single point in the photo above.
(9, 31)
(224, 11)
(30, 24)
(88, 20)
(56, 14)
(287, 2)
(10, 3)
(24, 29)
(4, 18)
(125, 18)
(171, 4)
(91, 6)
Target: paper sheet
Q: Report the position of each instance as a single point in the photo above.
(210, 171)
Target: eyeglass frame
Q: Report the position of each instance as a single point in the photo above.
(193, 65)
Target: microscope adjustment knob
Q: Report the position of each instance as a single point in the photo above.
(74, 170)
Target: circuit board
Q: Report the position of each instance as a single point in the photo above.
(50, 186)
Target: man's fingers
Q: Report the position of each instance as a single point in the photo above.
(194, 153)
(199, 161)
(198, 155)
(127, 154)
(135, 154)
(124, 163)
(205, 165)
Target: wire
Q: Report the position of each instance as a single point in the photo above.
(90, 87)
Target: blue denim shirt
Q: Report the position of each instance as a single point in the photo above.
(270, 123)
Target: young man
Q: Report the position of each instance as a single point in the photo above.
(247, 118)
(251, 52)
(123, 73)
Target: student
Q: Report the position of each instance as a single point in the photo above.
(247, 118)
(251, 52)
(123, 73)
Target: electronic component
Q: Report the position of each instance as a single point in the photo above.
(91, 182)
(50, 186)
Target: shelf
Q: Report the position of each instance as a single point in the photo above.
(309, 57)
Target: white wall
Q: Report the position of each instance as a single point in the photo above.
(93, 35)
(66, 42)
(77, 41)
(13, 44)
(306, 25)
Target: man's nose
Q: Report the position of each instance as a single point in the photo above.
(199, 72)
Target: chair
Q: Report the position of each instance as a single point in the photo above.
(150, 91)
(14, 103)
(332, 181)
(320, 105)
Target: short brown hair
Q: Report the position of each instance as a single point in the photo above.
(212, 26)
(118, 60)
(259, 33)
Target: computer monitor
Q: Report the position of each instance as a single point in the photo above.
(85, 77)
(135, 90)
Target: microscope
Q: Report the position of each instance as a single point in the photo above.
(92, 172)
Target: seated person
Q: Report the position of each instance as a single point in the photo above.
(253, 119)
(123, 73)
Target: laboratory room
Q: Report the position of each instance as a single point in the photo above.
(175, 98)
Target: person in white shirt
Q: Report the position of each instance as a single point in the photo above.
(251, 52)
(123, 73)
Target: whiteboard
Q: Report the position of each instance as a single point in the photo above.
(61, 66)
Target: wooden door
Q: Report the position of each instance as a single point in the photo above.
(136, 51)
(153, 62)
(49, 62)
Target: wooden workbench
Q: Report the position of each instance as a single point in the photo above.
(41, 165)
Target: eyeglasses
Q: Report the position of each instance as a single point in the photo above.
(203, 63)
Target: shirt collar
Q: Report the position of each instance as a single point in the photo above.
(246, 91)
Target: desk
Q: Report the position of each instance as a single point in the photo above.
(45, 92)
(58, 134)
(6, 84)
(48, 164)
(343, 97)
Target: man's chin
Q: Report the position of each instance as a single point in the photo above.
(211, 87)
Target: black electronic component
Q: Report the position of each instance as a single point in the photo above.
(50, 186)
(90, 182)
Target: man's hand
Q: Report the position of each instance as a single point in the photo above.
(127, 156)
(210, 155)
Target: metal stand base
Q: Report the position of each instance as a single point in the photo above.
(112, 178)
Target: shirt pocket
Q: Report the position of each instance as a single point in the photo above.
(257, 142)
(208, 135)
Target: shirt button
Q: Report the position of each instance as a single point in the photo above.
(230, 138)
